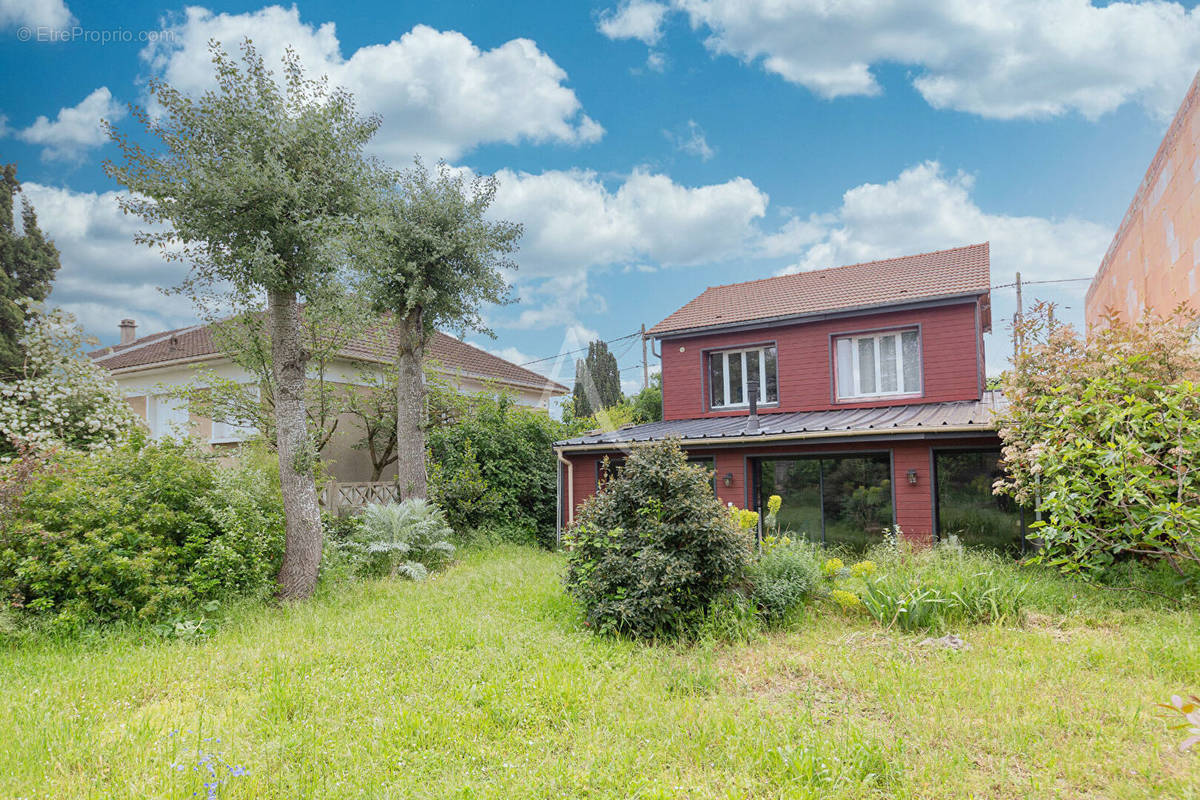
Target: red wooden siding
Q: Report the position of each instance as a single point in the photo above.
(951, 347)
(913, 503)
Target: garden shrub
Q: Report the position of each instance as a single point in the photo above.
(140, 532)
(785, 575)
(492, 465)
(654, 548)
(408, 539)
(1103, 434)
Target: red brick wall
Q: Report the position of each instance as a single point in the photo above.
(950, 342)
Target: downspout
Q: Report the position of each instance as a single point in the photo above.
(570, 478)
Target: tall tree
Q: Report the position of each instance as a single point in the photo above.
(597, 380)
(438, 261)
(28, 262)
(260, 187)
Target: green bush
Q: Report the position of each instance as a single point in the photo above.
(652, 550)
(492, 465)
(408, 539)
(782, 578)
(140, 532)
(1103, 434)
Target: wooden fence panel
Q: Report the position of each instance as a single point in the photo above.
(346, 498)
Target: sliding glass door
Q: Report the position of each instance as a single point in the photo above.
(966, 506)
(834, 500)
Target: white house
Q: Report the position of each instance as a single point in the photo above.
(146, 367)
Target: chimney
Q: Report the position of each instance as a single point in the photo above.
(128, 331)
(752, 420)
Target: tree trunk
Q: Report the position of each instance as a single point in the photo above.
(410, 406)
(302, 550)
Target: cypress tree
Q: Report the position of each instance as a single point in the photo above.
(28, 262)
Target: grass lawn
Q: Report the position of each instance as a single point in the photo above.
(479, 684)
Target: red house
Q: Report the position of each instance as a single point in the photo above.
(855, 393)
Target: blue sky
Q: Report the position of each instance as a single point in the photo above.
(651, 149)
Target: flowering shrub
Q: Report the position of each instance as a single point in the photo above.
(140, 532)
(651, 551)
(1104, 434)
(61, 399)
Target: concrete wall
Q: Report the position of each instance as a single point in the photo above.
(952, 361)
(1153, 262)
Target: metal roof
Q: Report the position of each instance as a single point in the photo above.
(922, 418)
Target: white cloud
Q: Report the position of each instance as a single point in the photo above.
(35, 14)
(439, 94)
(575, 224)
(75, 129)
(691, 140)
(996, 58)
(634, 19)
(925, 209)
(574, 221)
(104, 276)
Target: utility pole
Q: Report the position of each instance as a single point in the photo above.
(1018, 318)
(645, 363)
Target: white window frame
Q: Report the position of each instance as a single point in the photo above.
(854, 339)
(231, 433)
(741, 353)
(169, 416)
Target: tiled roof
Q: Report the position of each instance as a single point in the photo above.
(945, 273)
(196, 343)
(918, 418)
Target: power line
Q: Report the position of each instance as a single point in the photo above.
(1028, 283)
(579, 350)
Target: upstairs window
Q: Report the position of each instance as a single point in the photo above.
(731, 373)
(878, 365)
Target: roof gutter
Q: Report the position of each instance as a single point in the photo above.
(818, 316)
(776, 437)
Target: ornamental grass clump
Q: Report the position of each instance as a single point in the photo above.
(650, 552)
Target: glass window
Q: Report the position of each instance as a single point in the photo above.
(798, 483)
(878, 365)
(733, 368)
(839, 500)
(731, 373)
(771, 393)
(716, 380)
(910, 345)
(966, 507)
(866, 366)
(888, 379)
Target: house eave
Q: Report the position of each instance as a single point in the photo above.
(871, 434)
